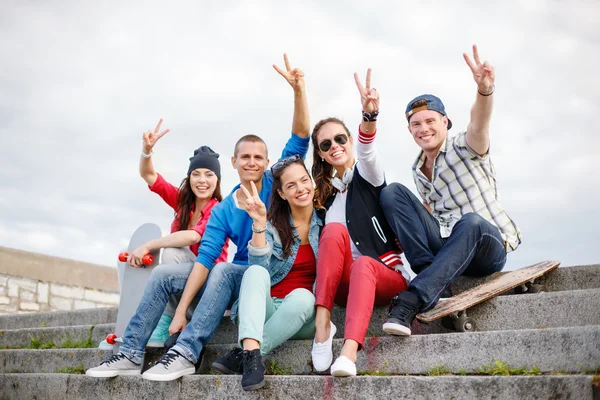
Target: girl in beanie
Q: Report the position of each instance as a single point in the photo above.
(192, 203)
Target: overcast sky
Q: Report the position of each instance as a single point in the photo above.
(80, 82)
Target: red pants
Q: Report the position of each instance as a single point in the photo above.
(357, 284)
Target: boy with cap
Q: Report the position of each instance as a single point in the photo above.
(219, 289)
(460, 228)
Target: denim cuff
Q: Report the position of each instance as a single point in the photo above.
(186, 353)
(135, 356)
(259, 251)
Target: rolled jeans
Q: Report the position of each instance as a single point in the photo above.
(165, 280)
(221, 290)
(474, 248)
(270, 320)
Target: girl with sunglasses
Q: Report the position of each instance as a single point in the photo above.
(359, 263)
(276, 299)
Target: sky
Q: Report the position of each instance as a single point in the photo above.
(81, 81)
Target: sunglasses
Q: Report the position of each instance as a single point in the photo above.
(284, 162)
(340, 138)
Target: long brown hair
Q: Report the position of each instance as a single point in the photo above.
(186, 200)
(280, 212)
(322, 171)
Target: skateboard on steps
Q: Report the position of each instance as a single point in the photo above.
(134, 279)
(524, 280)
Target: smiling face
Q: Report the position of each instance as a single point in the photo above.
(296, 186)
(429, 129)
(203, 183)
(339, 155)
(250, 161)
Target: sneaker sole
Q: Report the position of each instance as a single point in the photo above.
(255, 386)
(155, 344)
(223, 369)
(169, 377)
(112, 374)
(340, 373)
(396, 329)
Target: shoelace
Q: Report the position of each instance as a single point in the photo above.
(114, 358)
(167, 359)
(250, 362)
(399, 309)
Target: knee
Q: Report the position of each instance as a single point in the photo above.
(160, 273)
(389, 195)
(363, 265)
(257, 273)
(303, 299)
(472, 222)
(334, 230)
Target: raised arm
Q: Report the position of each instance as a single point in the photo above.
(150, 138)
(370, 166)
(478, 131)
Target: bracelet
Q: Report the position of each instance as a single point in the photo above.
(261, 230)
(487, 94)
(147, 155)
(370, 117)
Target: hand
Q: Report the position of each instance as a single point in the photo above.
(483, 74)
(295, 77)
(150, 138)
(135, 258)
(254, 206)
(369, 98)
(178, 324)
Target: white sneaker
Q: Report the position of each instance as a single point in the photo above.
(343, 366)
(116, 365)
(322, 353)
(170, 367)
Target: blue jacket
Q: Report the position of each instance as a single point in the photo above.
(271, 256)
(228, 221)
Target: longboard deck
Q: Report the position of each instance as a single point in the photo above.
(134, 280)
(486, 291)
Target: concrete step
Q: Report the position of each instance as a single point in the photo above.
(71, 387)
(555, 349)
(560, 279)
(59, 318)
(61, 337)
(527, 311)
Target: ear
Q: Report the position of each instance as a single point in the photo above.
(280, 193)
(233, 162)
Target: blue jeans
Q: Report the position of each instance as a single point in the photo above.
(222, 288)
(165, 280)
(269, 320)
(475, 246)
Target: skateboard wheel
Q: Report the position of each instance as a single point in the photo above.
(465, 324)
(123, 256)
(148, 259)
(110, 338)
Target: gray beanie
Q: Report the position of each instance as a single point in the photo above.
(205, 157)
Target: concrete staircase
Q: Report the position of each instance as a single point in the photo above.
(529, 346)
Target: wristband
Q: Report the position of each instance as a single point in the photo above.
(261, 230)
(147, 155)
(487, 94)
(370, 117)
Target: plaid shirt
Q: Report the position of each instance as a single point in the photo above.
(464, 182)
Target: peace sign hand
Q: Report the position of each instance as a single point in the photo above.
(254, 206)
(295, 77)
(483, 74)
(369, 97)
(150, 138)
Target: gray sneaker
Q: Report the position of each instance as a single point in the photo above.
(118, 364)
(170, 367)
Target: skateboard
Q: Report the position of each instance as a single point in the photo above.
(524, 280)
(133, 282)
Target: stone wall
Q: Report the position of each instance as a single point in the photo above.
(34, 282)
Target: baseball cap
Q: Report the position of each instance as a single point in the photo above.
(433, 103)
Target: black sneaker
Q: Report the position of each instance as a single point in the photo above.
(403, 309)
(254, 370)
(230, 363)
